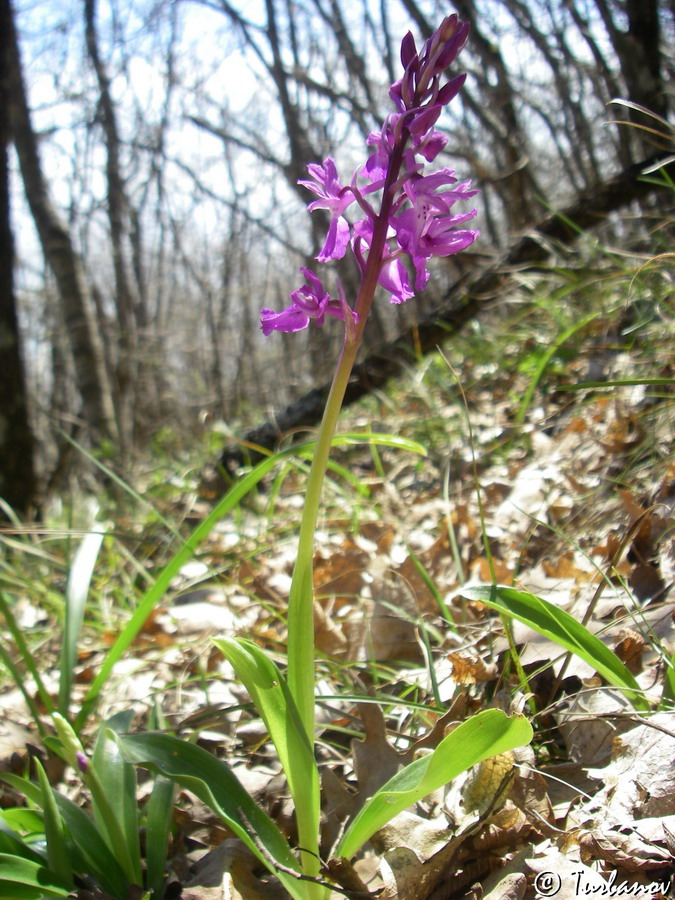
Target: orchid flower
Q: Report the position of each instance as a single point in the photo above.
(414, 220)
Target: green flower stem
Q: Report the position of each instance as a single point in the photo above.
(301, 648)
(300, 606)
(301, 652)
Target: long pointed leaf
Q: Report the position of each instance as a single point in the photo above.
(22, 876)
(272, 698)
(486, 734)
(77, 591)
(559, 626)
(216, 785)
(115, 804)
(58, 852)
(158, 829)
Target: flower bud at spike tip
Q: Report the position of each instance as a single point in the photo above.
(82, 762)
(408, 49)
(70, 741)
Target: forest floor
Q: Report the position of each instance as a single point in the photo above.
(547, 427)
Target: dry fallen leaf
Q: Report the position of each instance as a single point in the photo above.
(640, 779)
(588, 724)
(556, 875)
(626, 851)
(469, 668)
(241, 874)
(375, 760)
(510, 887)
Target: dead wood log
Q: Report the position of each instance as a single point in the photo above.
(469, 296)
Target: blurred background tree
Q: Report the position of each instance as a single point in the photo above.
(158, 145)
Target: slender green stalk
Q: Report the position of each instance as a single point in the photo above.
(422, 231)
(300, 608)
(301, 646)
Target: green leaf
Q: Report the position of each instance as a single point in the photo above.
(115, 803)
(270, 694)
(58, 852)
(77, 591)
(215, 784)
(12, 890)
(486, 734)
(93, 856)
(21, 878)
(11, 842)
(158, 827)
(379, 439)
(560, 627)
(668, 695)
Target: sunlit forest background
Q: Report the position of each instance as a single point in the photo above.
(151, 154)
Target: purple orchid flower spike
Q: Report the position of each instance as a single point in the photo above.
(415, 221)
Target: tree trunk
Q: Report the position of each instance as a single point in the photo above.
(126, 301)
(76, 303)
(17, 473)
(639, 52)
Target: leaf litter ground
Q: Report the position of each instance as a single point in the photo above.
(577, 505)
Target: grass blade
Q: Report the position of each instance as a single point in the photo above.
(559, 626)
(29, 663)
(233, 497)
(545, 360)
(77, 591)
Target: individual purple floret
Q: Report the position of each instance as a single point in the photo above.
(335, 198)
(310, 301)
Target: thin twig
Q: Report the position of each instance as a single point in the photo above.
(287, 870)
